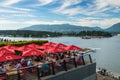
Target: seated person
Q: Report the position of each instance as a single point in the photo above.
(58, 63)
(18, 65)
(37, 58)
(2, 69)
(45, 67)
(23, 62)
(30, 63)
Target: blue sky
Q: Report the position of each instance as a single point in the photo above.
(15, 14)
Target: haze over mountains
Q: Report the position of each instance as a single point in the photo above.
(71, 28)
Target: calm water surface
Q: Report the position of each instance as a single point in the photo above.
(106, 56)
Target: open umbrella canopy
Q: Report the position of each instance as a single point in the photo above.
(49, 44)
(33, 52)
(73, 47)
(34, 46)
(11, 47)
(24, 48)
(60, 45)
(8, 57)
(45, 47)
(6, 51)
(56, 49)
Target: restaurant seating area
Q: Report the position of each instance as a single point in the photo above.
(36, 61)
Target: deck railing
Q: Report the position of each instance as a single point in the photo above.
(36, 72)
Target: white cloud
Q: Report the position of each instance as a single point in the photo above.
(64, 8)
(21, 9)
(34, 22)
(104, 23)
(23, 15)
(3, 21)
(12, 25)
(91, 22)
(67, 3)
(101, 4)
(6, 24)
(10, 11)
(94, 8)
(7, 7)
(115, 3)
(111, 5)
(31, 22)
(71, 12)
(9, 2)
(43, 2)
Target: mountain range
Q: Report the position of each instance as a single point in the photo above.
(65, 28)
(114, 28)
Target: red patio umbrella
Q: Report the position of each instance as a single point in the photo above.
(49, 44)
(60, 45)
(44, 47)
(33, 52)
(8, 57)
(6, 51)
(73, 47)
(34, 45)
(24, 48)
(11, 47)
(56, 49)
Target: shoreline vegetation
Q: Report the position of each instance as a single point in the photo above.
(44, 34)
(24, 42)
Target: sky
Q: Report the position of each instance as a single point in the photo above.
(15, 14)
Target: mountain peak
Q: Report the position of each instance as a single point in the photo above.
(60, 28)
(115, 28)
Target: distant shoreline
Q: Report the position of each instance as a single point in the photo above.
(7, 38)
(44, 34)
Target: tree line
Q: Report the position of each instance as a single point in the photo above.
(91, 33)
(28, 33)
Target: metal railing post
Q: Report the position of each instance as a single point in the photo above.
(90, 58)
(49, 68)
(83, 60)
(53, 69)
(75, 64)
(64, 65)
(38, 73)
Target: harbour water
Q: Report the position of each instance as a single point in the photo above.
(107, 53)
